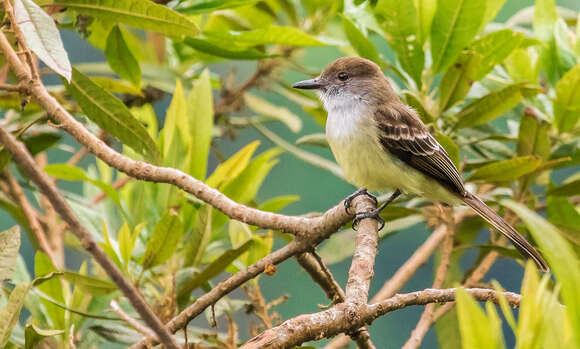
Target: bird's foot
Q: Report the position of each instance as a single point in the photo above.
(361, 191)
(374, 214)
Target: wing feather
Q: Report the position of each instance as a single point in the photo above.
(403, 134)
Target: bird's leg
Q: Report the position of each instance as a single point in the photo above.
(375, 214)
(361, 191)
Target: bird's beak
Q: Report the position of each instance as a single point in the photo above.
(311, 84)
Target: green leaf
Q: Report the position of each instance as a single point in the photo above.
(506, 170)
(455, 24)
(567, 102)
(89, 284)
(205, 6)
(568, 189)
(112, 115)
(399, 20)
(210, 48)
(176, 115)
(278, 203)
(163, 242)
(522, 65)
(120, 57)
(545, 16)
(141, 14)
(315, 139)
(476, 62)
(34, 335)
(213, 269)
(127, 241)
(493, 105)
(72, 173)
(272, 34)
(263, 107)
(116, 86)
(233, 166)
(9, 246)
(200, 236)
(450, 147)
(477, 330)
(533, 137)
(492, 8)
(425, 13)
(11, 312)
(44, 273)
(200, 112)
(562, 213)
(359, 41)
(42, 36)
(560, 257)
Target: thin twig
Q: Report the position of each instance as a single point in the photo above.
(31, 217)
(139, 327)
(425, 320)
(10, 88)
(341, 318)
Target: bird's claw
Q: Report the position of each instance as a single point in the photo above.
(362, 191)
(374, 214)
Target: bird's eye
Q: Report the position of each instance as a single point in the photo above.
(342, 76)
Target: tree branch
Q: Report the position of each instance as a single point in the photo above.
(344, 318)
(23, 158)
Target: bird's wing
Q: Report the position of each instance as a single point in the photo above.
(402, 134)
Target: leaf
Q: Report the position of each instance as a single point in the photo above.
(455, 24)
(72, 173)
(399, 20)
(46, 282)
(278, 203)
(359, 41)
(213, 269)
(533, 137)
(200, 236)
(112, 115)
(233, 166)
(9, 246)
(492, 8)
(568, 189)
(545, 16)
(561, 258)
(562, 213)
(567, 102)
(163, 242)
(200, 112)
(522, 65)
(493, 105)
(127, 241)
(272, 34)
(315, 139)
(477, 330)
(206, 6)
(11, 312)
(90, 284)
(425, 13)
(176, 115)
(34, 335)
(210, 48)
(506, 170)
(477, 61)
(261, 106)
(42, 36)
(141, 14)
(120, 57)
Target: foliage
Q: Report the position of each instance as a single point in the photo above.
(503, 99)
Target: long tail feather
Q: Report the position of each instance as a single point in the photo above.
(520, 242)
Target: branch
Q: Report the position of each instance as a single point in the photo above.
(23, 158)
(145, 331)
(343, 318)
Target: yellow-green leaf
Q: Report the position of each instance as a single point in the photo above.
(506, 170)
(9, 246)
(477, 330)
(163, 242)
(141, 14)
(120, 57)
(233, 166)
(567, 103)
(200, 112)
(272, 34)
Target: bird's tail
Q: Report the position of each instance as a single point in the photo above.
(517, 239)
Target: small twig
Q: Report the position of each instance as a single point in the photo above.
(10, 88)
(139, 327)
(31, 216)
(118, 184)
(259, 304)
(425, 320)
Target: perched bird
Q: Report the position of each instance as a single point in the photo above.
(382, 144)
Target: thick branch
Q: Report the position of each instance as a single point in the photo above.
(363, 260)
(23, 158)
(345, 317)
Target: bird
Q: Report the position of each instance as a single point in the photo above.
(381, 144)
